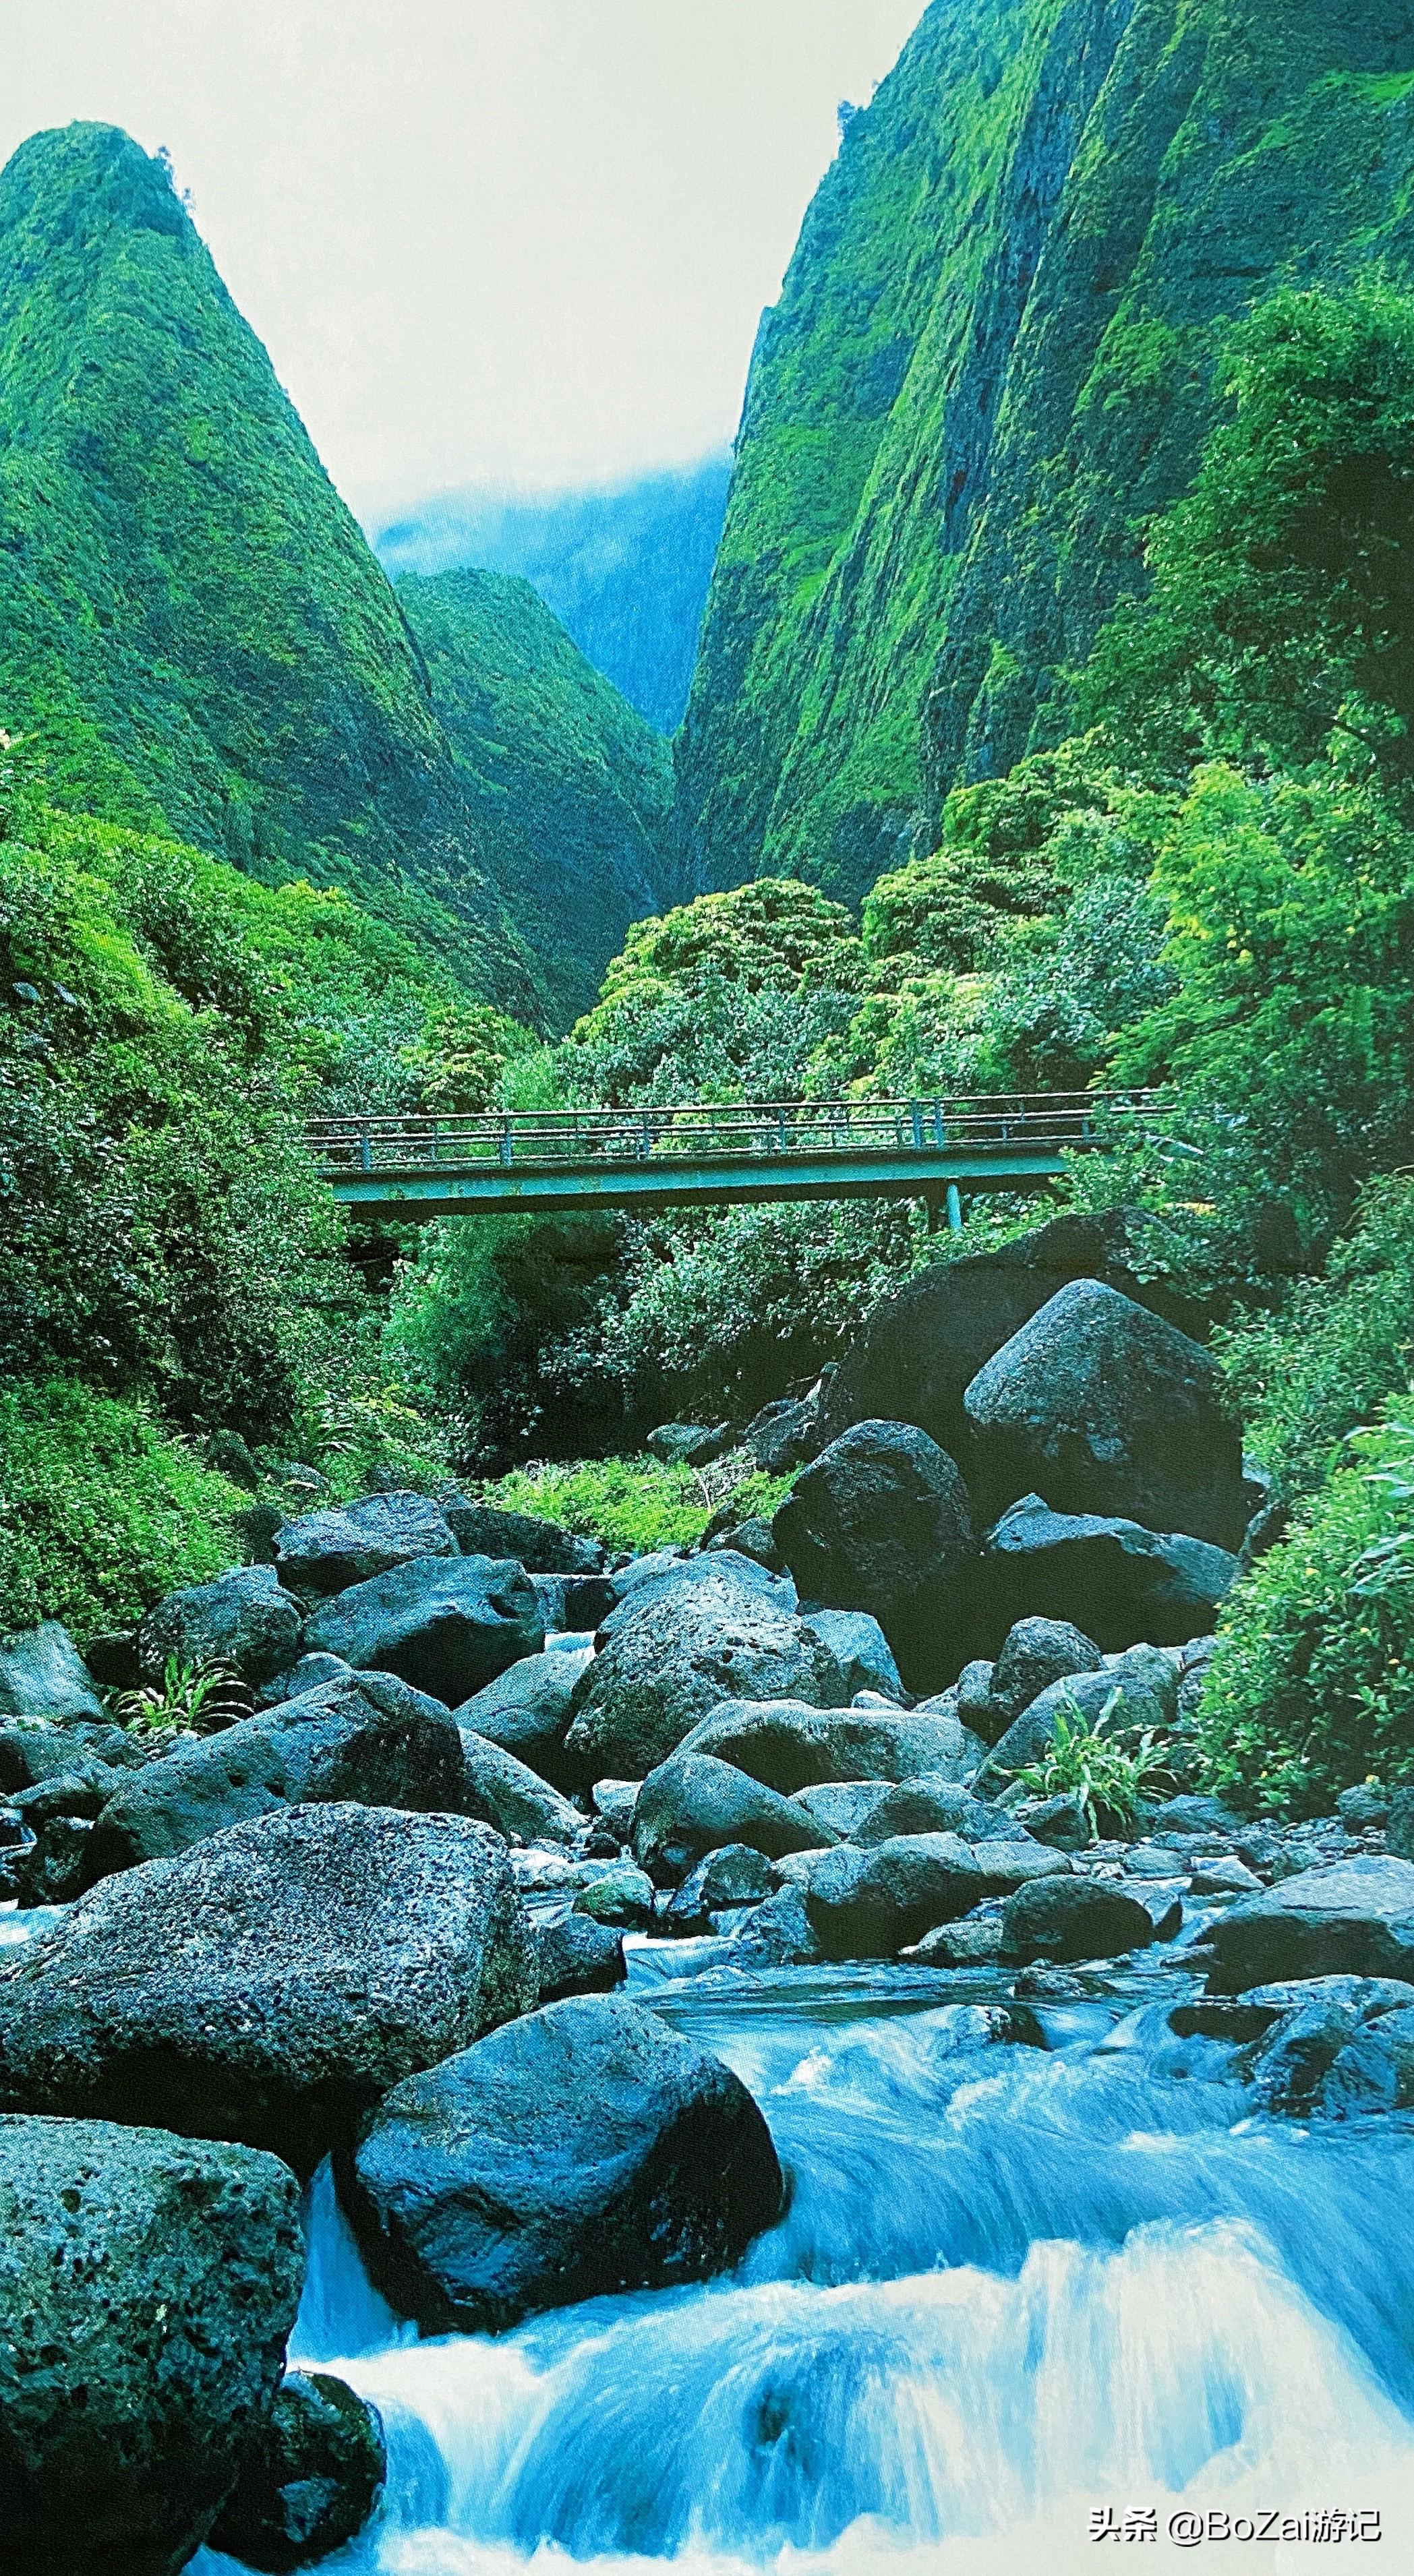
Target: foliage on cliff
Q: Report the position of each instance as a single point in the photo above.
(994, 359)
(570, 790)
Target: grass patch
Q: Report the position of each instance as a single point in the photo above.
(637, 1503)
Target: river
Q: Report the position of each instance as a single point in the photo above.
(1014, 2286)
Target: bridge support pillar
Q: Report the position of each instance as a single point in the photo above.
(954, 1208)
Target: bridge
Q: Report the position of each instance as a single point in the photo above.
(646, 1162)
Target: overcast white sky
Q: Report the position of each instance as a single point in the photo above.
(484, 240)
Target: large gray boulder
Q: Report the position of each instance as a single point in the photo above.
(678, 1657)
(919, 1350)
(310, 2480)
(1105, 1408)
(931, 1804)
(872, 1904)
(447, 1625)
(584, 2150)
(1118, 1583)
(542, 1547)
(31, 1751)
(43, 1675)
(694, 1804)
(860, 1648)
(271, 1983)
(791, 1746)
(348, 1543)
(148, 2286)
(1086, 1695)
(507, 1794)
(720, 1578)
(577, 1956)
(1355, 1918)
(1035, 1653)
(245, 1619)
(527, 1711)
(879, 1520)
(369, 1739)
(1067, 1918)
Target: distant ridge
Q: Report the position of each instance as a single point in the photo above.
(625, 568)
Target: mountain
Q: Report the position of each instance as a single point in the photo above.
(196, 637)
(572, 792)
(992, 361)
(625, 570)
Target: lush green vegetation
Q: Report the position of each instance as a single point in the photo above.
(570, 790)
(636, 1502)
(1312, 1686)
(994, 359)
(101, 1510)
(1110, 1770)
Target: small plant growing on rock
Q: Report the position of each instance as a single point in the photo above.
(190, 1699)
(1110, 1772)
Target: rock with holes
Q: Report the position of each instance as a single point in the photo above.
(148, 2284)
(43, 1675)
(678, 1657)
(245, 1619)
(368, 1738)
(271, 1983)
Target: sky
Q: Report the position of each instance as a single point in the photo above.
(517, 243)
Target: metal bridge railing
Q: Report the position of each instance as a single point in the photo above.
(739, 1132)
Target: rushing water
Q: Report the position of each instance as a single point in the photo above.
(1012, 2284)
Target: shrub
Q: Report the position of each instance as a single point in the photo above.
(1312, 1685)
(101, 1511)
(1109, 1770)
(633, 1503)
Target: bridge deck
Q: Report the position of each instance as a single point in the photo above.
(748, 1154)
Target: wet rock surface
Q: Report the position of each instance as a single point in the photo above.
(586, 2148)
(311, 2480)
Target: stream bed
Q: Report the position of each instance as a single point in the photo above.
(1015, 2286)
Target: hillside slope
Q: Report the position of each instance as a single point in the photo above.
(571, 790)
(194, 633)
(625, 570)
(992, 360)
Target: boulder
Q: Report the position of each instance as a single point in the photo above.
(310, 1673)
(1068, 1918)
(31, 1752)
(679, 1657)
(369, 1739)
(878, 1523)
(753, 1538)
(872, 1904)
(620, 1896)
(844, 1805)
(975, 1942)
(932, 1804)
(790, 1746)
(1035, 1653)
(1355, 1918)
(1196, 1813)
(1062, 1822)
(148, 2286)
(613, 1802)
(785, 1435)
(448, 1625)
(505, 1793)
(694, 1803)
(245, 1619)
(919, 1350)
(55, 1869)
(736, 1875)
(271, 1983)
(860, 1648)
(542, 1547)
(582, 2151)
(578, 1956)
(1374, 2071)
(719, 1580)
(1365, 1809)
(1287, 2066)
(311, 2479)
(527, 1710)
(1119, 1583)
(1400, 1827)
(42, 1674)
(1030, 1737)
(348, 1543)
(1106, 1408)
(778, 1934)
(689, 1444)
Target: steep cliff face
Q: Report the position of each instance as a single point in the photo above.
(992, 360)
(193, 631)
(570, 789)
